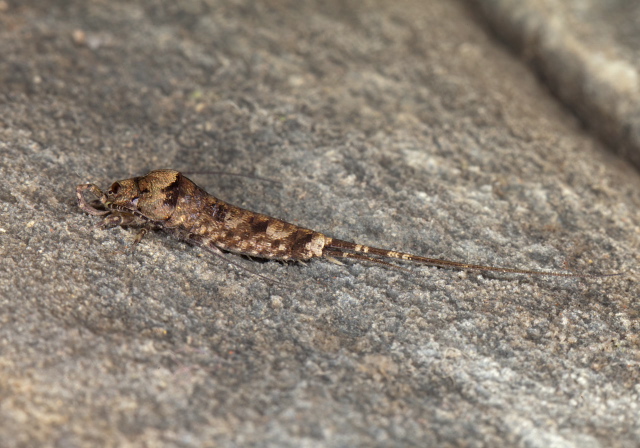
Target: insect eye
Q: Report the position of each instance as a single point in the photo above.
(114, 188)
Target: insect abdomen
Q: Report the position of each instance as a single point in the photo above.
(235, 229)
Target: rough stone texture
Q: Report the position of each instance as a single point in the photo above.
(405, 126)
(588, 53)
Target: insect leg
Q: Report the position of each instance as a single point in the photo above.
(217, 252)
(138, 238)
(114, 219)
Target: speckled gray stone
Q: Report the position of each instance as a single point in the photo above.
(404, 126)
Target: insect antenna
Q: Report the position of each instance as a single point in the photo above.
(248, 176)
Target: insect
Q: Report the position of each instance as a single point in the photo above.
(167, 200)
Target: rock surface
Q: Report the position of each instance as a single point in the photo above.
(588, 53)
(405, 126)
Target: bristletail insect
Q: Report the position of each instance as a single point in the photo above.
(167, 200)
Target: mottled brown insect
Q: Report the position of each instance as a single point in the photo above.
(166, 200)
